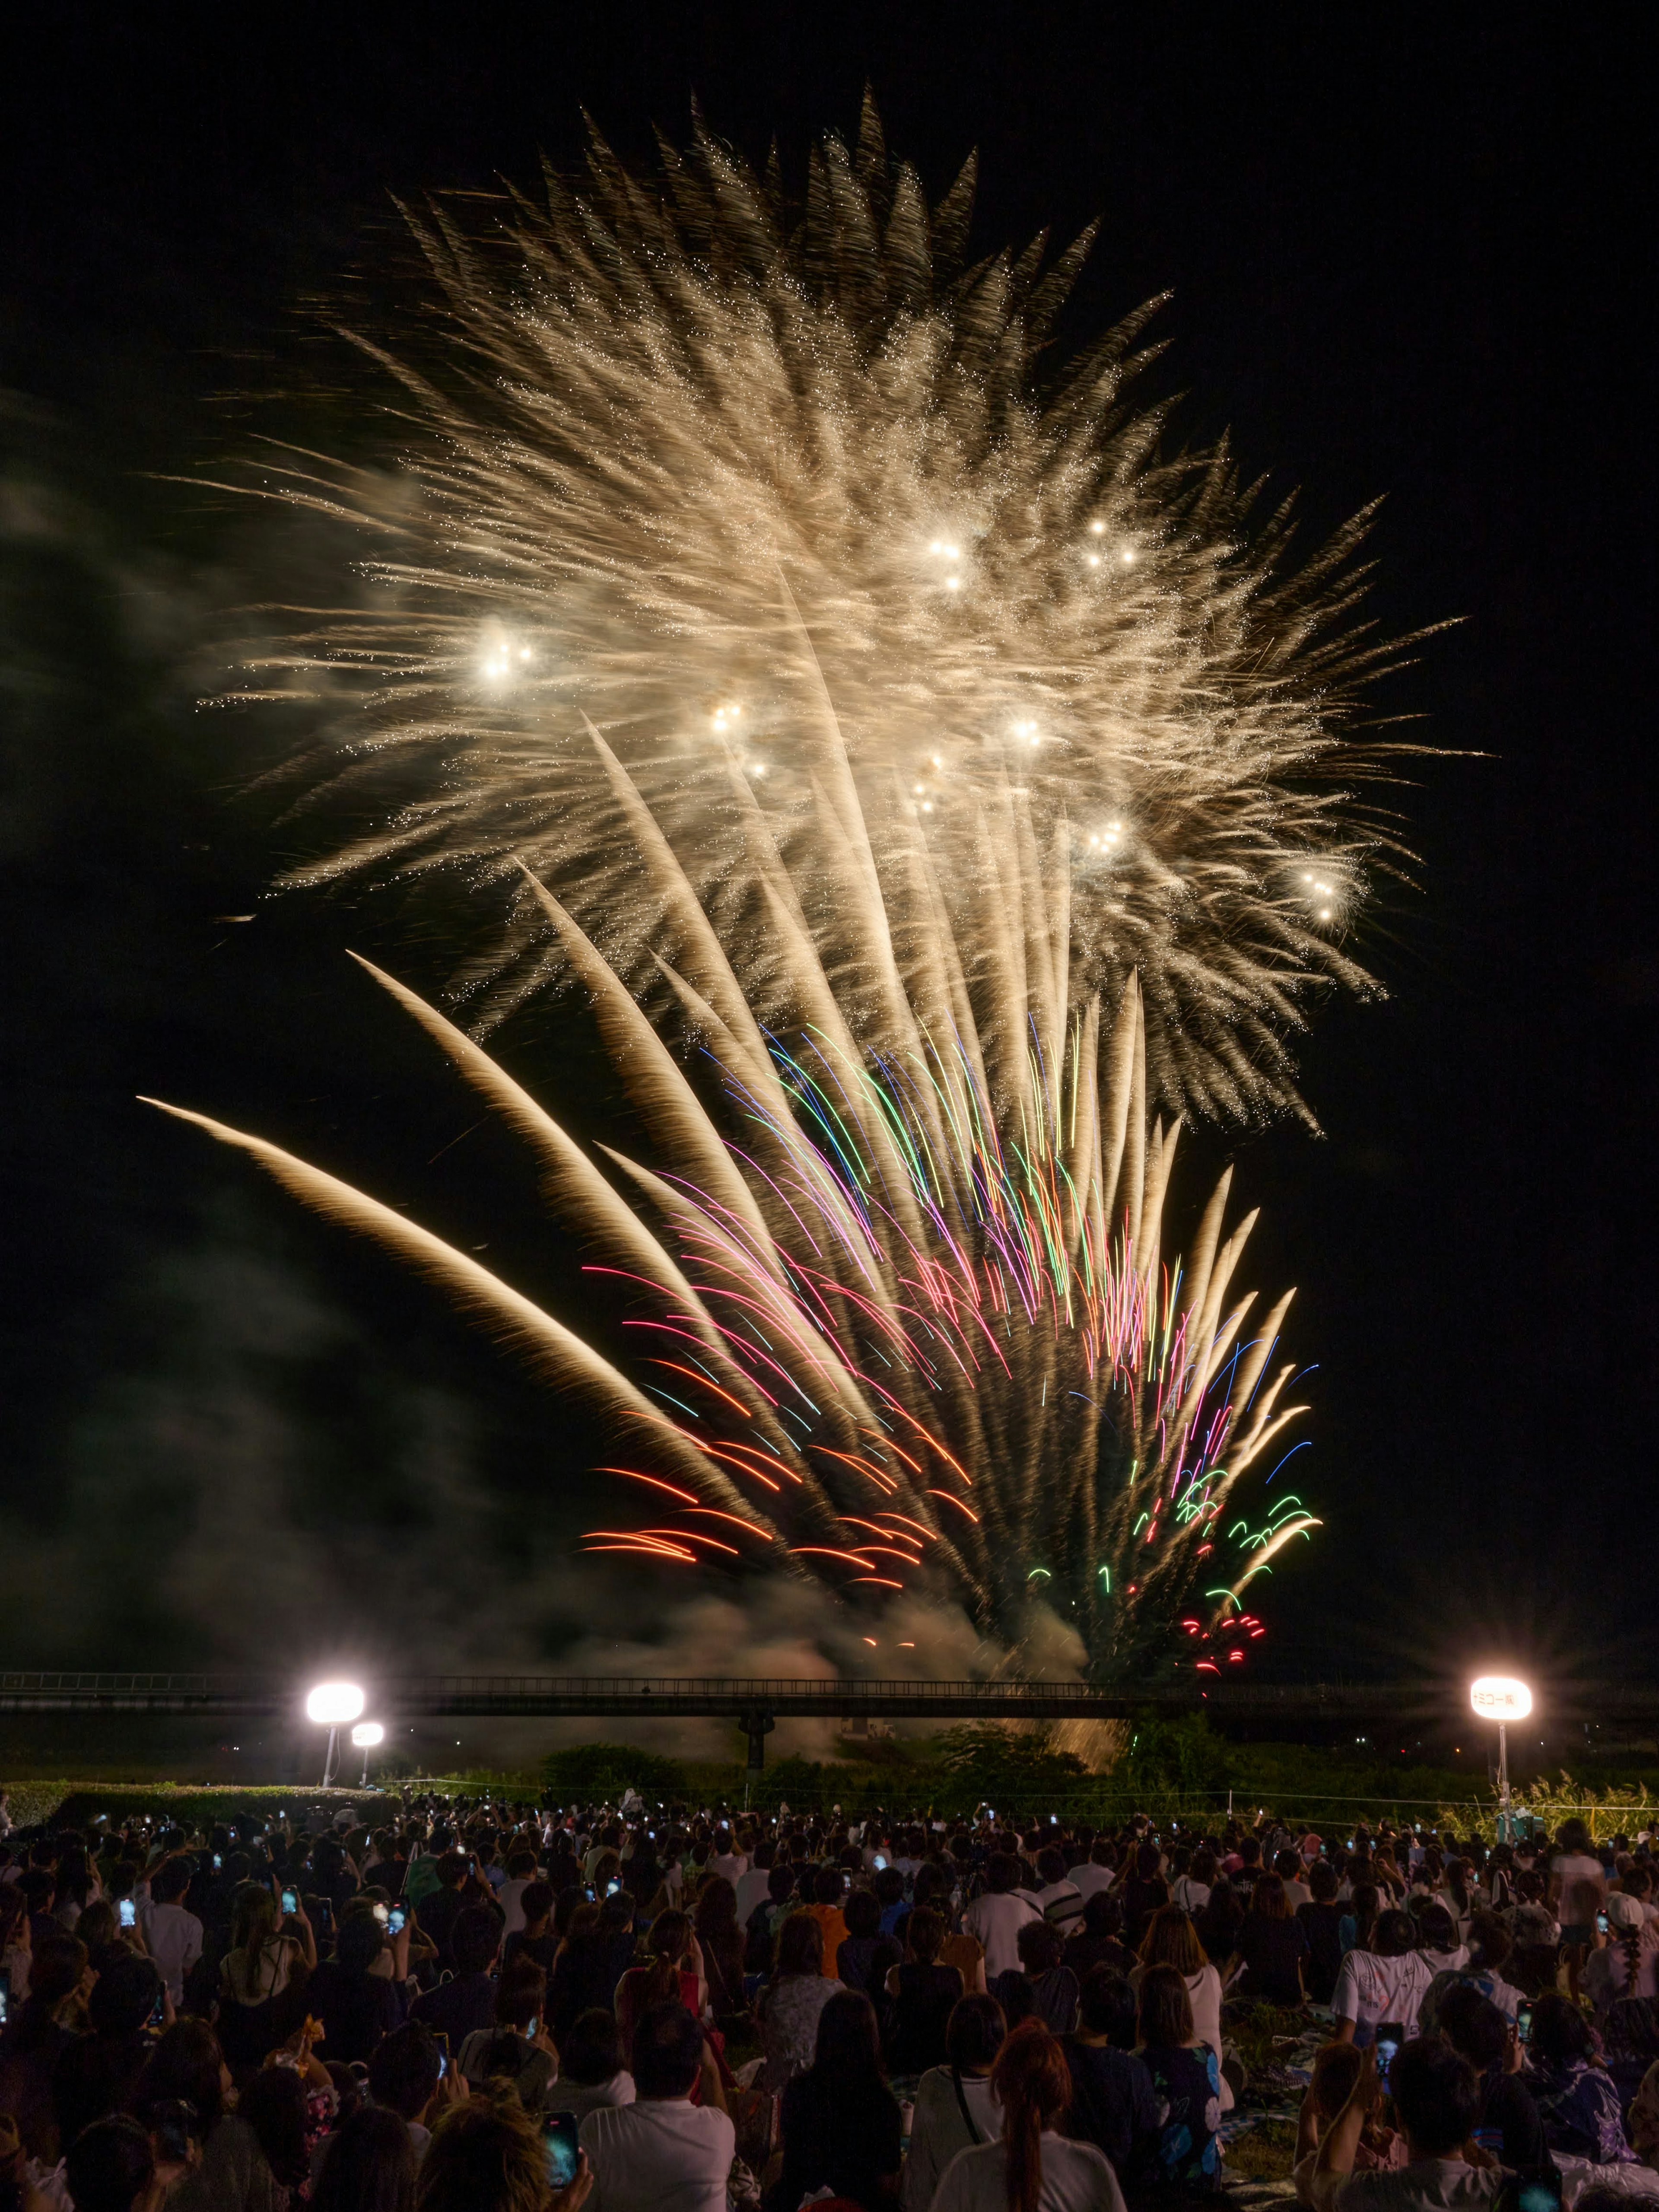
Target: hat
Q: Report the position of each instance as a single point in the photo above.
(1626, 1911)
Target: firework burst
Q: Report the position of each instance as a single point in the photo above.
(775, 490)
(901, 1314)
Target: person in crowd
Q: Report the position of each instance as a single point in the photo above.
(954, 2106)
(840, 2121)
(368, 2166)
(1272, 1946)
(995, 1918)
(112, 2167)
(921, 1993)
(1437, 1940)
(1336, 2067)
(1287, 1865)
(1094, 1939)
(1190, 1889)
(406, 2077)
(867, 1956)
(1185, 2080)
(356, 2005)
(1482, 1971)
(257, 1972)
(1383, 1983)
(1364, 1907)
(1217, 1927)
(186, 2081)
(456, 2008)
(1576, 2096)
(1574, 1860)
(719, 1941)
(1059, 1897)
(1142, 1892)
(521, 1872)
(487, 2156)
(1509, 2120)
(593, 2071)
(675, 1974)
(1171, 1940)
(791, 2001)
(1042, 1989)
(94, 2074)
(518, 2050)
(1435, 2100)
(275, 2105)
(534, 1938)
(1320, 1921)
(662, 2153)
(1030, 2164)
(173, 1936)
(1621, 1963)
(34, 2040)
(828, 1888)
(1112, 2103)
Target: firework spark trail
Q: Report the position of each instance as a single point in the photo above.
(901, 1330)
(776, 497)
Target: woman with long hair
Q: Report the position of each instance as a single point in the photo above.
(368, 2166)
(1171, 1940)
(265, 1957)
(1272, 1946)
(840, 2123)
(791, 2001)
(1032, 2168)
(675, 1975)
(714, 1918)
(924, 1993)
(1186, 2081)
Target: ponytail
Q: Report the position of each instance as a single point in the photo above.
(1032, 2083)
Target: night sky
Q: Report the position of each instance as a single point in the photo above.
(1405, 262)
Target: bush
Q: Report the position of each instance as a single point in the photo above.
(599, 1773)
(78, 1804)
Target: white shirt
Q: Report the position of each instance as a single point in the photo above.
(174, 1939)
(729, 1865)
(1298, 1892)
(1067, 1896)
(938, 2131)
(510, 1898)
(996, 1922)
(1370, 1989)
(753, 1888)
(1191, 1896)
(660, 2155)
(1076, 2178)
(1086, 1880)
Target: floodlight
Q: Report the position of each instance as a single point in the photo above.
(1500, 1697)
(331, 1705)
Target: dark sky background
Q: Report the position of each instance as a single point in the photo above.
(1407, 259)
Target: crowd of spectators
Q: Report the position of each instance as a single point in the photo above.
(485, 2007)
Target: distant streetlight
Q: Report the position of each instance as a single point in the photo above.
(332, 1705)
(1500, 1697)
(366, 1735)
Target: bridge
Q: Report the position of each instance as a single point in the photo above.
(756, 1703)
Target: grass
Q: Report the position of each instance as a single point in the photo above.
(1267, 2154)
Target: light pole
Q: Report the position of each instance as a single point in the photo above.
(366, 1735)
(1500, 1697)
(331, 1705)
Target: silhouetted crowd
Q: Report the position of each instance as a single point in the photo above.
(481, 2007)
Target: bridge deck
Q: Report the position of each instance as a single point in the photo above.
(521, 1697)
